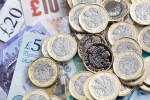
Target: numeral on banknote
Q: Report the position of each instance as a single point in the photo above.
(36, 46)
(10, 21)
(51, 4)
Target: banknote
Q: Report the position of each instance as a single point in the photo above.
(11, 19)
(2, 3)
(35, 8)
(29, 51)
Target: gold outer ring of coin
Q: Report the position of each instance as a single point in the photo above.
(123, 40)
(54, 97)
(115, 25)
(49, 82)
(75, 2)
(72, 82)
(145, 87)
(133, 14)
(70, 3)
(126, 91)
(72, 21)
(140, 39)
(66, 57)
(80, 35)
(44, 47)
(36, 92)
(140, 80)
(124, 12)
(99, 28)
(124, 76)
(147, 61)
(114, 79)
(86, 89)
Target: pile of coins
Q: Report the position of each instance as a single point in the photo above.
(109, 44)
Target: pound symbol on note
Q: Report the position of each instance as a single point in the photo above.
(5, 31)
(28, 45)
(34, 7)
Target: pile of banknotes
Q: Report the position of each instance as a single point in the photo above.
(74, 49)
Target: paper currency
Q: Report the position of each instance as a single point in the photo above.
(35, 8)
(2, 3)
(11, 19)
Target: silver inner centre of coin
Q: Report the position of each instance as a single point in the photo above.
(122, 31)
(129, 65)
(104, 86)
(43, 71)
(125, 46)
(114, 8)
(62, 46)
(75, 17)
(79, 85)
(142, 11)
(86, 1)
(36, 97)
(146, 38)
(93, 18)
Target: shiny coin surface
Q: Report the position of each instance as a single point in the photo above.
(121, 30)
(124, 45)
(44, 47)
(62, 47)
(147, 61)
(74, 17)
(117, 9)
(75, 2)
(98, 57)
(124, 90)
(86, 89)
(140, 80)
(104, 86)
(43, 72)
(128, 66)
(145, 87)
(54, 97)
(70, 3)
(139, 12)
(88, 40)
(93, 19)
(144, 39)
(36, 95)
(76, 84)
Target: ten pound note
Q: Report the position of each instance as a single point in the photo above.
(35, 8)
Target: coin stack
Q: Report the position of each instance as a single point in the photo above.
(112, 34)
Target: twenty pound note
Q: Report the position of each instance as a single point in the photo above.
(35, 8)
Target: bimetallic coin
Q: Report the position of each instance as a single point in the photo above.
(44, 47)
(121, 30)
(76, 84)
(80, 36)
(145, 87)
(104, 86)
(117, 9)
(43, 72)
(98, 57)
(93, 19)
(88, 40)
(140, 80)
(54, 97)
(74, 17)
(147, 62)
(75, 2)
(126, 45)
(86, 89)
(70, 3)
(36, 95)
(144, 39)
(62, 47)
(140, 12)
(125, 90)
(128, 66)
